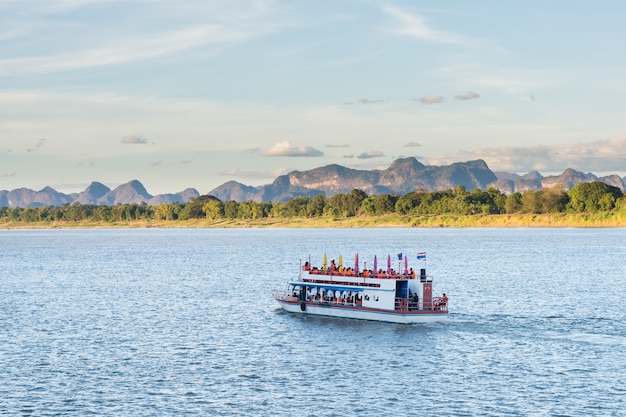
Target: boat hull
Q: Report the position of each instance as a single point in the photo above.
(362, 313)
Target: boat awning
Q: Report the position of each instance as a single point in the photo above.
(334, 287)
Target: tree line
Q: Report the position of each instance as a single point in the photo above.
(584, 197)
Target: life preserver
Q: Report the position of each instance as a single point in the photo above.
(302, 306)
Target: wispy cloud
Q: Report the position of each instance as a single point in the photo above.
(337, 146)
(415, 26)
(369, 101)
(467, 96)
(134, 139)
(412, 144)
(370, 154)
(286, 149)
(228, 24)
(430, 99)
(8, 175)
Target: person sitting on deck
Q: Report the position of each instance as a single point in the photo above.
(333, 267)
(306, 267)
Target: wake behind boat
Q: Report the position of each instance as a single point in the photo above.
(390, 296)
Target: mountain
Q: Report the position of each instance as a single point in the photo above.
(182, 197)
(131, 192)
(96, 193)
(24, 197)
(232, 190)
(404, 175)
(510, 183)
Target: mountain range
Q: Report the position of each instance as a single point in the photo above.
(132, 192)
(403, 176)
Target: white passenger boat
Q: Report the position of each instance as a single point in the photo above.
(381, 295)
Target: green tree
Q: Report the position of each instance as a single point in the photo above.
(513, 203)
(532, 202)
(593, 196)
(231, 209)
(213, 209)
(317, 205)
(555, 199)
(385, 203)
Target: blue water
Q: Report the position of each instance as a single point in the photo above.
(181, 322)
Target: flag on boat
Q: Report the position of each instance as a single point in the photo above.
(400, 256)
(421, 255)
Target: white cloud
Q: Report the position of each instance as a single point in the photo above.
(285, 149)
(134, 139)
(370, 154)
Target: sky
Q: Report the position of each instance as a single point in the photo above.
(180, 94)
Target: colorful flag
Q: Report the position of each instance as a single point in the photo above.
(400, 256)
(421, 255)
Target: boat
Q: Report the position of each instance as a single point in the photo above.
(376, 294)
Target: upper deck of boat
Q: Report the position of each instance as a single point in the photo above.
(315, 275)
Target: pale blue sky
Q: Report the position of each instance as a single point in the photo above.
(181, 94)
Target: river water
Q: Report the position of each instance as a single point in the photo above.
(182, 322)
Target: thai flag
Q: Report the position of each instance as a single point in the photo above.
(421, 255)
(400, 256)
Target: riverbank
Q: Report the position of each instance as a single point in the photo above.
(579, 220)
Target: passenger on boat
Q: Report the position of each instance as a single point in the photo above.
(306, 267)
(412, 273)
(416, 301)
(444, 301)
(333, 267)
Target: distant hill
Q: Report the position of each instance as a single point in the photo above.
(403, 175)
(96, 193)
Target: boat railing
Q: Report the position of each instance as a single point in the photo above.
(408, 304)
(365, 274)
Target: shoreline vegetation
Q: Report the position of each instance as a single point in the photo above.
(585, 205)
(614, 219)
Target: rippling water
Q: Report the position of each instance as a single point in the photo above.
(181, 322)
